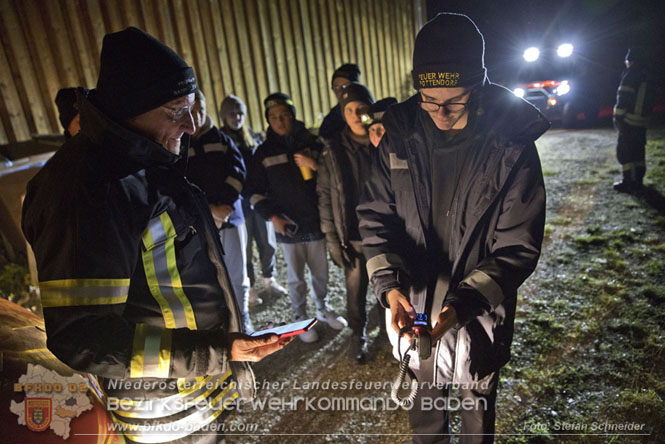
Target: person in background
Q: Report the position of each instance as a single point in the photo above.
(631, 116)
(282, 187)
(132, 280)
(216, 166)
(334, 123)
(233, 112)
(68, 112)
(374, 122)
(452, 223)
(343, 168)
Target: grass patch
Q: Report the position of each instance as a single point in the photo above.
(561, 221)
(588, 181)
(547, 172)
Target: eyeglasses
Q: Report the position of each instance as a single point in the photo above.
(448, 107)
(177, 114)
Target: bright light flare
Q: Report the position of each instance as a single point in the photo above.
(565, 50)
(531, 54)
(519, 92)
(562, 89)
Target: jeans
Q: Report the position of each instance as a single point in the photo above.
(263, 233)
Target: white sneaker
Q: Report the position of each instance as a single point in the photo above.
(273, 288)
(331, 318)
(309, 336)
(254, 298)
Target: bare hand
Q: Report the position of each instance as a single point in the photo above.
(401, 311)
(254, 348)
(446, 320)
(280, 224)
(221, 213)
(305, 161)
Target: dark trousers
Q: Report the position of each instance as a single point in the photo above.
(630, 152)
(356, 291)
(261, 231)
(430, 419)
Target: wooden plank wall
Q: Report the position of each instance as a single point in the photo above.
(250, 48)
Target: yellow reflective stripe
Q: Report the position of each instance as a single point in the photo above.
(184, 389)
(626, 88)
(619, 111)
(630, 165)
(215, 147)
(486, 286)
(382, 262)
(641, 94)
(235, 183)
(151, 352)
(635, 120)
(74, 292)
(153, 283)
(173, 270)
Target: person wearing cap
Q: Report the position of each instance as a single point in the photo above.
(68, 113)
(132, 279)
(282, 189)
(343, 165)
(452, 222)
(334, 122)
(216, 166)
(374, 122)
(631, 116)
(233, 112)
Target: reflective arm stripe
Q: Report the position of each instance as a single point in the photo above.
(73, 292)
(396, 163)
(619, 111)
(161, 271)
(256, 198)
(235, 183)
(151, 354)
(486, 286)
(275, 160)
(382, 262)
(626, 89)
(630, 165)
(215, 147)
(635, 119)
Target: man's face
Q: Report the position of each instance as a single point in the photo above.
(199, 113)
(376, 132)
(338, 86)
(443, 118)
(280, 120)
(353, 112)
(167, 123)
(235, 119)
(75, 125)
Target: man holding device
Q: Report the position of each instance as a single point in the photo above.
(452, 222)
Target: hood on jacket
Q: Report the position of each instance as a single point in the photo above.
(500, 112)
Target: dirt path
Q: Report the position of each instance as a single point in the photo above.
(582, 282)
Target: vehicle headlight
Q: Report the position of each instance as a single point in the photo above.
(562, 89)
(531, 54)
(564, 50)
(552, 101)
(519, 92)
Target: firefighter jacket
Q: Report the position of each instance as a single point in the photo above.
(634, 100)
(132, 281)
(495, 235)
(276, 185)
(216, 166)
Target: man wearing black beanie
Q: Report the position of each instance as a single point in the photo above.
(452, 223)
(132, 280)
(333, 123)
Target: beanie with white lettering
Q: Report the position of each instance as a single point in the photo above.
(449, 52)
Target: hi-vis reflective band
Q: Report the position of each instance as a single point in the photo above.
(161, 271)
(382, 262)
(151, 354)
(626, 89)
(215, 147)
(396, 163)
(635, 119)
(168, 431)
(629, 166)
(163, 407)
(486, 286)
(256, 198)
(235, 183)
(275, 160)
(639, 101)
(72, 292)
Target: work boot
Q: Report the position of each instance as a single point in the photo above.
(310, 335)
(335, 321)
(626, 186)
(273, 288)
(358, 349)
(254, 298)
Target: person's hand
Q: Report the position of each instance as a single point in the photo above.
(243, 347)
(280, 224)
(221, 213)
(446, 320)
(401, 311)
(335, 250)
(305, 161)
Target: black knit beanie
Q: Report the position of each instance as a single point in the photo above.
(377, 110)
(139, 73)
(448, 53)
(279, 99)
(65, 100)
(348, 71)
(355, 92)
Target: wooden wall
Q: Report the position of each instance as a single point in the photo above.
(250, 48)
